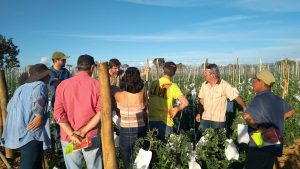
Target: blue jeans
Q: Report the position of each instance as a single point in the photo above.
(204, 124)
(128, 137)
(32, 155)
(91, 155)
(164, 131)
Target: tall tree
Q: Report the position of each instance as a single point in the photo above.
(8, 53)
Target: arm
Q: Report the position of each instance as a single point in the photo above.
(74, 137)
(38, 104)
(249, 120)
(240, 101)
(198, 116)
(94, 122)
(289, 114)
(184, 102)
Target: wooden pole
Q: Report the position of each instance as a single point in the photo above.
(239, 70)
(3, 108)
(108, 144)
(286, 78)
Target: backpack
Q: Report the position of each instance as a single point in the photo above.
(157, 90)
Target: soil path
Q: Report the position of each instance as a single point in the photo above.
(290, 158)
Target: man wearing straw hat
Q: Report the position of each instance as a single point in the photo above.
(77, 110)
(27, 124)
(266, 111)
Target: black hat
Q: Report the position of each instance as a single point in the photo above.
(37, 72)
(85, 60)
(170, 68)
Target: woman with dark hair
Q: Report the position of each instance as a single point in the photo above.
(131, 101)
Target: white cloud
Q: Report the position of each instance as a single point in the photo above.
(247, 56)
(258, 5)
(44, 60)
(173, 36)
(170, 3)
(227, 19)
(268, 5)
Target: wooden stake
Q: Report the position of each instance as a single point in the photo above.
(3, 108)
(108, 144)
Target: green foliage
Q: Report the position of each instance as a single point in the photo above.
(8, 53)
(211, 153)
(173, 154)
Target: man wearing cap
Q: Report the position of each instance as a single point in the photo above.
(213, 96)
(58, 74)
(266, 110)
(27, 126)
(77, 110)
(162, 93)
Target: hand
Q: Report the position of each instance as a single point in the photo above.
(173, 111)
(198, 118)
(35, 123)
(81, 132)
(75, 138)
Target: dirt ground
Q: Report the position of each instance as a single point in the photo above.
(289, 160)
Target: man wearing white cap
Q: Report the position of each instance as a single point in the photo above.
(266, 111)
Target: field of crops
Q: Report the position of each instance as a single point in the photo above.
(182, 148)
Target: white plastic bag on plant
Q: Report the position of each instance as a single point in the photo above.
(231, 151)
(143, 159)
(194, 165)
(202, 141)
(116, 139)
(116, 119)
(243, 136)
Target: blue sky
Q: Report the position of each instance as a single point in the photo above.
(186, 31)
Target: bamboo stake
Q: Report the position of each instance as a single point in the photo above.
(147, 80)
(297, 70)
(3, 107)
(286, 79)
(260, 65)
(147, 66)
(239, 70)
(108, 144)
(204, 65)
(157, 69)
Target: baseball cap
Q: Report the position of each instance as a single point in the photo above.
(266, 77)
(59, 55)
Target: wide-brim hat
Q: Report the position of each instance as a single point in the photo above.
(38, 72)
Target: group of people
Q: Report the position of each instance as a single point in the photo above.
(76, 106)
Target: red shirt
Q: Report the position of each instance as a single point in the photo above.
(77, 100)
